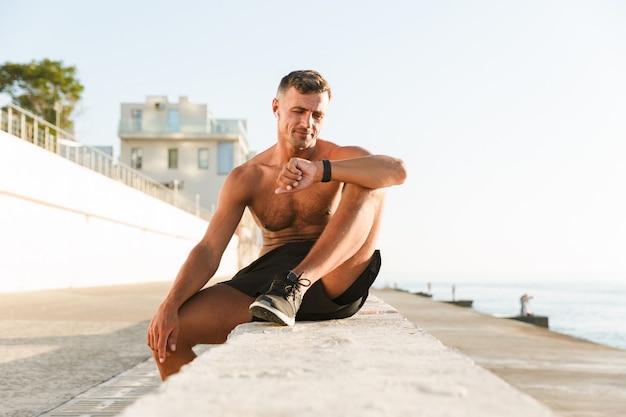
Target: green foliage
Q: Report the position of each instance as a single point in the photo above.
(43, 87)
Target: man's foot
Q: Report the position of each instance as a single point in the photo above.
(281, 303)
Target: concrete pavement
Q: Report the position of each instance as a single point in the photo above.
(55, 345)
(576, 378)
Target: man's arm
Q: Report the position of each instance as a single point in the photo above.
(200, 265)
(368, 171)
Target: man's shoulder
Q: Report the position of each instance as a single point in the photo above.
(248, 169)
(261, 158)
(243, 182)
(253, 167)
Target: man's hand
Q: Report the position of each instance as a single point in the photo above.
(297, 174)
(163, 333)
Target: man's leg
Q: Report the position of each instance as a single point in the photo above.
(206, 318)
(346, 246)
(342, 252)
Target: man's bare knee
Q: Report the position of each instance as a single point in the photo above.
(213, 313)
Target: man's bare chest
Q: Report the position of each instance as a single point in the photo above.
(311, 207)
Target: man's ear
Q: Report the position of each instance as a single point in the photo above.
(275, 107)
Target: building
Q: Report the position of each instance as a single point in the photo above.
(182, 146)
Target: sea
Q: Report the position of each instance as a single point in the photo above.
(592, 311)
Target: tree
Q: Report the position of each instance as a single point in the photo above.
(45, 87)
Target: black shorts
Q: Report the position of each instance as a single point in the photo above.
(256, 278)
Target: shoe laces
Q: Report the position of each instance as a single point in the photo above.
(291, 289)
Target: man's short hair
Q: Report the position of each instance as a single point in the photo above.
(305, 81)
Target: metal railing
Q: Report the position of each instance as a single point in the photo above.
(31, 128)
(232, 127)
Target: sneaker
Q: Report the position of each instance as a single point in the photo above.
(281, 303)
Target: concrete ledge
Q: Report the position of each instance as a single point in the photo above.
(373, 364)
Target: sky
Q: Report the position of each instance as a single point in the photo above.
(510, 115)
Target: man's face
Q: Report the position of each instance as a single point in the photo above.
(300, 117)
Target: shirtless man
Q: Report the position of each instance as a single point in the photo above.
(319, 207)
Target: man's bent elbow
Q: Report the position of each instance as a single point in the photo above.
(399, 168)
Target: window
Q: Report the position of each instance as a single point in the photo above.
(203, 158)
(136, 116)
(225, 157)
(136, 158)
(172, 158)
(172, 120)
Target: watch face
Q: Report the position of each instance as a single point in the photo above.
(291, 276)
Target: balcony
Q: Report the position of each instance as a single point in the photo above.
(161, 128)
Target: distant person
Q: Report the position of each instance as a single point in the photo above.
(319, 207)
(525, 302)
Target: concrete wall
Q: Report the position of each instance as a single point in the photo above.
(375, 364)
(62, 225)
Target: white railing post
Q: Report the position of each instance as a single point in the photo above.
(10, 120)
(36, 132)
(176, 193)
(23, 127)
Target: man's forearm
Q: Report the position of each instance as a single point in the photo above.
(372, 171)
(193, 275)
